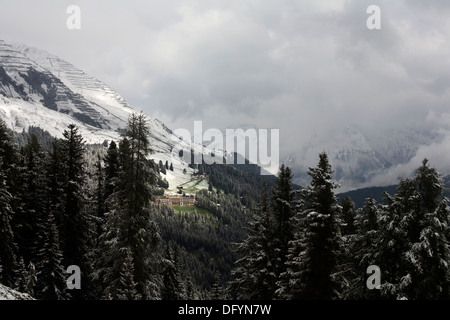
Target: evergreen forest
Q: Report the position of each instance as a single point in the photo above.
(64, 203)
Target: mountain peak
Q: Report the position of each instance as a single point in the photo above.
(74, 78)
(41, 89)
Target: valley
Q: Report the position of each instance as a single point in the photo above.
(87, 180)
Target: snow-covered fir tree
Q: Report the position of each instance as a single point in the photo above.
(126, 286)
(33, 198)
(289, 283)
(55, 183)
(76, 227)
(8, 246)
(393, 239)
(50, 274)
(111, 161)
(361, 250)
(429, 278)
(172, 286)
(9, 250)
(348, 216)
(127, 223)
(414, 252)
(314, 254)
(281, 210)
(99, 192)
(254, 276)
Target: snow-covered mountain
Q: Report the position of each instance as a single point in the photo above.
(40, 89)
(360, 158)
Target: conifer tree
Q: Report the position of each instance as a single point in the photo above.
(8, 152)
(111, 168)
(289, 283)
(219, 291)
(128, 223)
(30, 280)
(10, 204)
(362, 251)
(428, 233)
(9, 250)
(51, 279)
(23, 276)
(282, 212)
(394, 240)
(8, 246)
(162, 168)
(99, 197)
(137, 196)
(254, 277)
(172, 288)
(109, 263)
(73, 219)
(320, 245)
(33, 199)
(55, 184)
(368, 220)
(348, 216)
(429, 257)
(100, 190)
(126, 287)
(76, 232)
(414, 251)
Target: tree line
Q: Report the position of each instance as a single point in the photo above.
(51, 218)
(292, 243)
(305, 244)
(64, 203)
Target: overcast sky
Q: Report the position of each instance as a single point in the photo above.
(299, 66)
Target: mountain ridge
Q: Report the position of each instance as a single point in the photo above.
(41, 89)
(360, 159)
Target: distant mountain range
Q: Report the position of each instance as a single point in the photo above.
(360, 158)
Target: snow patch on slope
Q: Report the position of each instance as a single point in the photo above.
(7, 293)
(75, 98)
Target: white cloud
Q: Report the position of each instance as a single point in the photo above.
(437, 153)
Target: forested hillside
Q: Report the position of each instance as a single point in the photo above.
(68, 203)
(64, 203)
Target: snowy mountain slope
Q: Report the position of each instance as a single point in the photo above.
(112, 107)
(357, 157)
(41, 89)
(33, 95)
(7, 293)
